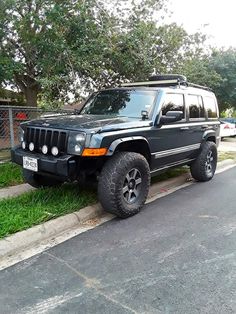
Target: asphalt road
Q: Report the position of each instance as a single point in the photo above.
(177, 256)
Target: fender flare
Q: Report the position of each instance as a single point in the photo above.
(209, 133)
(115, 143)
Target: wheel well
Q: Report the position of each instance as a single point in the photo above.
(211, 139)
(137, 146)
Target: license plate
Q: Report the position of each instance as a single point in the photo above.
(30, 163)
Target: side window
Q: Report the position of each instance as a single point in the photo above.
(196, 108)
(210, 106)
(173, 102)
(202, 109)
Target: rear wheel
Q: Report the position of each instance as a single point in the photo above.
(124, 183)
(203, 168)
(37, 180)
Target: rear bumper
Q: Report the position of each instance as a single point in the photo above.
(64, 166)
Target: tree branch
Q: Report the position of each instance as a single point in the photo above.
(17, 46)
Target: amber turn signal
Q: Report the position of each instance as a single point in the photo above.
(94, 152)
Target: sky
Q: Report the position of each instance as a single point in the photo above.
(213, 17)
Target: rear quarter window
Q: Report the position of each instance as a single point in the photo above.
(210, 107)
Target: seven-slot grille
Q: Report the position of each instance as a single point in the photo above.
(49, 137)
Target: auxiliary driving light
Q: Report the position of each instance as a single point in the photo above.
(54, 151)
(23, 145)
(31, 146)
(44, 149)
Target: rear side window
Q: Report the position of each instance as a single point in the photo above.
(196, 108)
(173, 102)
(210, 106)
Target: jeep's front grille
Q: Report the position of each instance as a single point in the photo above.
(49, 137)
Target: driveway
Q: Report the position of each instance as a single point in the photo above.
(177, 256)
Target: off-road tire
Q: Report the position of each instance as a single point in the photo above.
(37, 181)
(198, 168)
(112, 179)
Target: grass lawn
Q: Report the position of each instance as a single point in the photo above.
(35, 207)
(10, 174)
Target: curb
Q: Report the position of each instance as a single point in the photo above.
(26, 239)
(15, 190)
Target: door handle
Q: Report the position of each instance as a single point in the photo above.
(184, 128)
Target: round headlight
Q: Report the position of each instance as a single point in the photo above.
(23, 145)
(44, 149)
(54, 151)
(31, 146)
(79, 138)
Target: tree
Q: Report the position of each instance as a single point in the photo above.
(224, 64)
(50, 49)
(198, 70)
(46, 45)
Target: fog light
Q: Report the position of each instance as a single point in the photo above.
(55, 151)
(44, 149)
(23, 145)
(31, 147)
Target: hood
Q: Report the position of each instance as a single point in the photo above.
(96, 123)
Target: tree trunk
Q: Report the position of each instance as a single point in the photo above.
(30, 88)
(31, 96)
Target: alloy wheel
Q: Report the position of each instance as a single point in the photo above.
(132, 186)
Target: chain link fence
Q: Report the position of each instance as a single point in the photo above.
(11, 117)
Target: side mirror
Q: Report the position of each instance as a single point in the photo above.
(144, 115)
(171, 116)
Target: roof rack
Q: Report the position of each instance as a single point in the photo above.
(165, 81)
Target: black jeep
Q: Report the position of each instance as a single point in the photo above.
(122, 136)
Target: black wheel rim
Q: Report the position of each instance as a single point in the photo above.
(132, 186)
(209, 165)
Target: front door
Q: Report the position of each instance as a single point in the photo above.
(172, 142)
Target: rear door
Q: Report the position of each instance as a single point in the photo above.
(196, 118)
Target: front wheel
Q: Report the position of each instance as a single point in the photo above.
(204, 167)
(124, 184)
(37, 180)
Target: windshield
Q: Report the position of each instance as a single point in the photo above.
(128, 103)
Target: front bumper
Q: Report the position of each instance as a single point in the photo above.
(64, 166)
